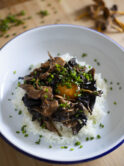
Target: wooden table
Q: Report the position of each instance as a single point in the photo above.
(63, 11)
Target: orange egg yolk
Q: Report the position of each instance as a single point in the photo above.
(68, 92)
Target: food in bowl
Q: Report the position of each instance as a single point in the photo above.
(62, 99)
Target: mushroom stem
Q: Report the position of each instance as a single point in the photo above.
(84, 14)
(99, 29)
(96, 93)
(120, 24)
(50, 56)
(117, 28)
(118, 12)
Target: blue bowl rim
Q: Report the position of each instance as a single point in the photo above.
(54, 161)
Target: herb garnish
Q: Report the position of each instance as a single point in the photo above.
(17, 132)
(44, 13)
(81, 146)
(14, 72)
(87, 138)
(98, 136)
(10, 21)
(71, 149)
(84, 55)
(101, 125)
(91, 138)
(23, 129)
(77, 143)
(20, 112)
(64, 147)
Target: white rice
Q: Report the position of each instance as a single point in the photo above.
(67, 136)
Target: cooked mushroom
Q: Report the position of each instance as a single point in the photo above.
(60, 91)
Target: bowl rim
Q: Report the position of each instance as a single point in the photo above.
(57, 161)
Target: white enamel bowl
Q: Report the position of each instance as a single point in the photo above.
(31, 47)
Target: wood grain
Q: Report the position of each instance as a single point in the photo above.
(64, 11)
(8, 3)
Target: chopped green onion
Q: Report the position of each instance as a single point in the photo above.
(87, 138)
(115, 103)
(26, 135)
(91, 138)
(110, 88)
(98, 136)
(77, 143)
(84, 55)
(44, 12)
(101, 125)
(64, 147)
(71, 149)
(17, 132)
(81, 146)
(20, 112)
(14, 72)
(38, 142)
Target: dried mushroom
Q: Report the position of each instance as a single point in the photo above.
(104, 17)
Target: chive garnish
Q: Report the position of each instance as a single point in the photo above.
(114, 102)
(98, 136)
(23, 129)
(17, 132)
(101, 125)
(77, 143)
(111, 88)
(105, 79)
(91, 138)
(84, 55)
(14, 72)
(26, 135)
(20, 112)
(87, 138)
(71, 149)
(45, 96)
(50, 146)
(44, 13)
(40, 136)
(46, 90)
(64, 147)
(81, 146)
(38, 142)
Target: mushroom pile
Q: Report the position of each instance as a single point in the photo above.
(60, 91)
(104, 17)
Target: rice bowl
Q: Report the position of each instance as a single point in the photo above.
(89, 130)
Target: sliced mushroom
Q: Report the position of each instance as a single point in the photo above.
(49, 107)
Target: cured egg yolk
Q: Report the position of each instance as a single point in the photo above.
(71, 92)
